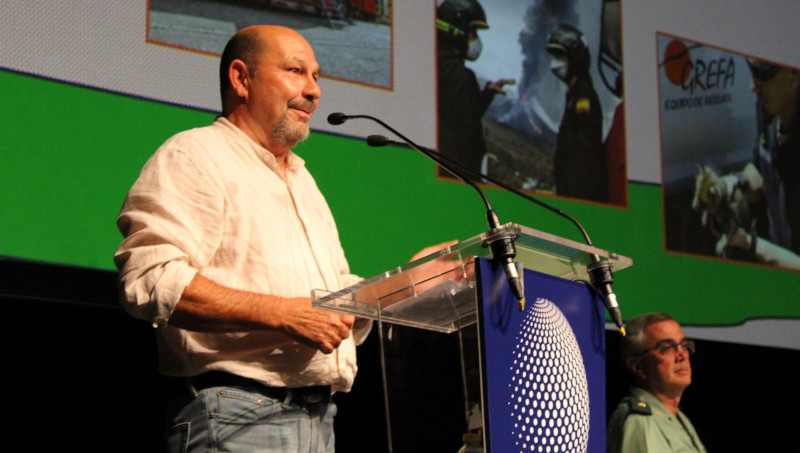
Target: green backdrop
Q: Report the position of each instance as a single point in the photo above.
(68, 154)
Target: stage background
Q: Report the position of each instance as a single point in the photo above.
(85, 101)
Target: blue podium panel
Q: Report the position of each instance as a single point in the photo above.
(543, 367)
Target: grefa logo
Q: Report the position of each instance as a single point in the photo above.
(698, 74)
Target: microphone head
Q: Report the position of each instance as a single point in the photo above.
(377, 140)
(337, 118)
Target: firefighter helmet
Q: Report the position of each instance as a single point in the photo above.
(454, 19)
(569, 42)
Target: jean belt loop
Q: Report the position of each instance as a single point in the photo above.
(288, 400)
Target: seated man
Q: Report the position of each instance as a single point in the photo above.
(656, 353)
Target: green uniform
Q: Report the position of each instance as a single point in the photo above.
(641, 423)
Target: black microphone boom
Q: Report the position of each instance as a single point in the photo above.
(599, 271)
(501, 243)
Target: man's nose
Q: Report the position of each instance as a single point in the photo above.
(312, 91)
(682, 351)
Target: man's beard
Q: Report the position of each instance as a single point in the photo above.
(290, 134)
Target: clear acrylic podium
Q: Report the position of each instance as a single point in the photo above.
(414, 294)
(460, 285)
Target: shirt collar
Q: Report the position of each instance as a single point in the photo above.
(293, 161)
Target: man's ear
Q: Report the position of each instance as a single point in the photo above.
(239, 77)
(635, 365)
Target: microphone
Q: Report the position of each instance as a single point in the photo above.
(379, 140)
(337, 118)
(501, 243)
(599, 271)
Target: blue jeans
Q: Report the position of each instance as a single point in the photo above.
(226, 419)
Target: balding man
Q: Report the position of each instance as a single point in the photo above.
(226, 234)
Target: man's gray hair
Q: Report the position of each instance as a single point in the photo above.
(635, 342)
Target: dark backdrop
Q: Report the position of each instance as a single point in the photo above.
(82, 374)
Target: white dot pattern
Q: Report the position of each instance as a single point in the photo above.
(548, 393)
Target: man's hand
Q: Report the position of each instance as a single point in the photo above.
(206, 306)
(738, 238)
(320, 329)
(432, 249)
(445, 267)
(755, 183)
(497, 86)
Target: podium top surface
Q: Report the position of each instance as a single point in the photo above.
(437, 292)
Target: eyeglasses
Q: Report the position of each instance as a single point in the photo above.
(665, 347)
(763, 71)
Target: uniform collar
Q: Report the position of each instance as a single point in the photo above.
(657, 406)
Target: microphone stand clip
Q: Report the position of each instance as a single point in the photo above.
(500, 243)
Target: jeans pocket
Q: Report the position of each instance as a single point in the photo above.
(177, 438)
(239, 406)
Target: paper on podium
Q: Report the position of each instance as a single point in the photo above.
(438, 292)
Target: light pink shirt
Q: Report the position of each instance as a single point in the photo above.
(212, 201)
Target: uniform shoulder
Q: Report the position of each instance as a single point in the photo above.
(628, 406)
(637, 406)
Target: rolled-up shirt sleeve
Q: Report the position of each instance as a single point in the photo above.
(171, 226)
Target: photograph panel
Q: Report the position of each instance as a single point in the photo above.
(730, 146)
(530, 95)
